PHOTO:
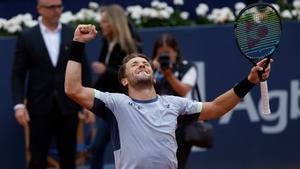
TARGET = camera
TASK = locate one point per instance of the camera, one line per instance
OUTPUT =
(164, 60)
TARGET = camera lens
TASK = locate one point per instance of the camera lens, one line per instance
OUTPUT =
(164, 60)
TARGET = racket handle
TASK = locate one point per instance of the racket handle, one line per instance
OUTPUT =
(264, 67)
(265, 98)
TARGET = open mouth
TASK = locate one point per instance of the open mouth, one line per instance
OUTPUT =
(144, 72)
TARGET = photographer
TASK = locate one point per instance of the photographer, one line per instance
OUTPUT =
(175, 77)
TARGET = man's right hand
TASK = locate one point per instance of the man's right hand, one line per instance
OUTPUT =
(22, 116)
(85, 33)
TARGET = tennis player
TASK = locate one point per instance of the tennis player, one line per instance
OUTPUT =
(142, 123)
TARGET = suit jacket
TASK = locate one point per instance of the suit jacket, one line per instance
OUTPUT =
(35, 78)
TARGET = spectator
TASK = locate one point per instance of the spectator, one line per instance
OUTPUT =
(38, 75)
(174, 76)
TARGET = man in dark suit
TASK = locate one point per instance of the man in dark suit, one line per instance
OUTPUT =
(38, 75)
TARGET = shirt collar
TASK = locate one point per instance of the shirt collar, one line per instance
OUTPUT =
(44, 29)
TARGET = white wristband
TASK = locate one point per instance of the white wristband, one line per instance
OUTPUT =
(19, 106)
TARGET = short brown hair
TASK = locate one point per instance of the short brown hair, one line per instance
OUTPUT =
(122, 69)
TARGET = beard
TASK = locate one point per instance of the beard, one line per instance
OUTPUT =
(142, 81)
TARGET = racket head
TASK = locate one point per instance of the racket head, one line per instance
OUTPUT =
(257, 31)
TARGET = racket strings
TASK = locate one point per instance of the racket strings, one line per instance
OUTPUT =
(258, 31)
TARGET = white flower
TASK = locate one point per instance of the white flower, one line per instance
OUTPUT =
(164, 14)
(238, 7)
(294, 12)
(170, 10)
(153, 13)
(276, 7)
(17, 19)
(221, 15)
(147, 11)
(135, 12)
(80, 16)
(67, 17)
(178, 2)
(30, 23)
(158, 5)
(155, 4)
(150, 13)
(296, 4)
(27, 17)
(93, 5)
(162, 5)
(136, 16)
(13, 26)
(97, 17)
(14, 29)
(286, 14)
(202, 9)
(86, 14)
(184, 15)
(2, 22)
(228, 14)
(134, 8)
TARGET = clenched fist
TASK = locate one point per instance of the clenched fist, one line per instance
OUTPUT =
(85, 33)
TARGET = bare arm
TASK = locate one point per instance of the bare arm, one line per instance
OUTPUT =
(229, 99)
(73, 84)
(219, 106)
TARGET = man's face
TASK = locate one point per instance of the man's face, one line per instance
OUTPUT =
(50, 10)
(139, 71)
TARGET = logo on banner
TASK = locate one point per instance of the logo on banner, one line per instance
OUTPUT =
(286, 107)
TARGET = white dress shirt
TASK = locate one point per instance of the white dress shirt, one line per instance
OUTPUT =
(52, 41)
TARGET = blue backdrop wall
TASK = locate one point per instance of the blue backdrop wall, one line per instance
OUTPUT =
(244, 138)
(10, 8)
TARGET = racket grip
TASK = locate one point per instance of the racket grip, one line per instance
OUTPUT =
(264, 67)
(265, 98)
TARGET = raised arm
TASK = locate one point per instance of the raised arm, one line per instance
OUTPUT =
(73, 84)
(231, 98)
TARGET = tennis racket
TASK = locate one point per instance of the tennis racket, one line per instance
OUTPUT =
(257, 33)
